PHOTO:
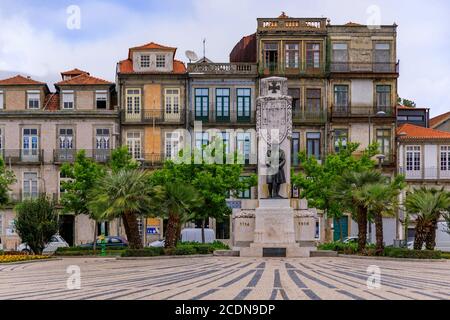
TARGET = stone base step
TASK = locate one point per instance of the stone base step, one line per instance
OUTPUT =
(271, 251)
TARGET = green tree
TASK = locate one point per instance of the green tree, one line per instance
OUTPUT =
(406, 103)
(7, 178)
(318, 181)
(426, 206)
(36, 222)
(212, 181)
(126, 194)
(121, 159)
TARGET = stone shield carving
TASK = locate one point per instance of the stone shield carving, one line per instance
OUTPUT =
(274, 114)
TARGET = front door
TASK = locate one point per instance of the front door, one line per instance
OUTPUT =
(66, 228)
(340, 228)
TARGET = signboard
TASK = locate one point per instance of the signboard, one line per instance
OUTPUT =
(152, 230)
(153, 225)
(234, 204)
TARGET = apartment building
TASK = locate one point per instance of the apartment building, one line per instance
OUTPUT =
(424, 159)
(40, 130)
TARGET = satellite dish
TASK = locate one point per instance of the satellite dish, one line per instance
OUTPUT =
(191, 55)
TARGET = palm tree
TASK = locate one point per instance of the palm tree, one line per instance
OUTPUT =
(124, 194)
(381, 199)
(349, 189)
(176, 201)
(426, 206)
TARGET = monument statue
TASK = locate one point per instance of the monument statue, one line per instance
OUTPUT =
(275, 180)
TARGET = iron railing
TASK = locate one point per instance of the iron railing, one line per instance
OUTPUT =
(227, 117)
(14, 156)
(223, 68)
(364, 67)
(158, 116)
(349, 111)
(308, 116)
(69, 155)
(427, 173)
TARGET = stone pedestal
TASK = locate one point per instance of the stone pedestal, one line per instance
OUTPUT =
(274, 234)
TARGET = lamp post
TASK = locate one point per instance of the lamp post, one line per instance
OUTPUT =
(379, 113)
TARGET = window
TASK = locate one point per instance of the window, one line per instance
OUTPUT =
(340, 57)
(223, 104)
(246, 194)
(34, 98)
(172, 101)
(243, 104)
(384, 98)
(295, 94)
(145, 61)
(133, 98)
(2, 100)
(201, 140)
(295, 148)
(201, 104)
(66, 138)
(102, 139)
(382, 57)
(160, 61)
(172, 145)
(101, 98)
(313, 101)
(1, 141)
(313, 55)
(384, 141)
(292, 55)
(341, 98)
(226, 143)
(30, 188)
(68, 100)
(63, 180)
(271, 56)
(413, 158)
(313, 144)
(30, 144)
(134, 145)
(445, 158)
(340, 138)
(243, 146)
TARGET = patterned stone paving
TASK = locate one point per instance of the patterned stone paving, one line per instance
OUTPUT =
(225, 279)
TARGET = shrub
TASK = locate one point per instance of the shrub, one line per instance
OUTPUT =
(445, 255)
(412, 254)
(147, 252)
(78, 249)
(7, 258)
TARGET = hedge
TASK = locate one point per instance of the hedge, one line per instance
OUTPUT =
(183, 249)
(412, 254)
(99, 248)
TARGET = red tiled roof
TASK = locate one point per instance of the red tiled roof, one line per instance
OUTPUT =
(51, 102)
(19, 80)
(439, 119)
(148, 46)
(74, 72)
(126, 66)
(84, 79)
(412, 132)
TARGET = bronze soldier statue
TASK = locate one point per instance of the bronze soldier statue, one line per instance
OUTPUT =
(275, 180)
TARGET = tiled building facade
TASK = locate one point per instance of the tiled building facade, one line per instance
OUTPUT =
(343, 80)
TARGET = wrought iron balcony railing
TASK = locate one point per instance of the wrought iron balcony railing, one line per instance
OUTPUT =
(223, 68)
(17, 197)
(427, 173)
(69, 155)
(22, 156)
(224, 117)
(158, 116)
(308, 116)
(365, 67)
(364, 111)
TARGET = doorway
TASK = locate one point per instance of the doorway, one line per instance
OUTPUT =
(66, 228)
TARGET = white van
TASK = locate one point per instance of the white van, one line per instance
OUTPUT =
(195, 235)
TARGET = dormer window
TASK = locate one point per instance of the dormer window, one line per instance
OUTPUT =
(68, 100)
(145, 61)
(101, 98)
(33, 98)
(160, 61)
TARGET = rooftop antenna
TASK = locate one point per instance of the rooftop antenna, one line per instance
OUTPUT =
(204, 49)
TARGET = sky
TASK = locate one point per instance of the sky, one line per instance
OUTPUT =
(42, 38)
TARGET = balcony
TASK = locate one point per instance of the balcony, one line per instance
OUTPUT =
(365, 67)
(303, 116)
(61, 156)
(15, 198)
(230, 118)
(273, 68)
(292, 24)
(223, 68)
(22, 156)
(157, 116)
(428, 173)
(362, 111)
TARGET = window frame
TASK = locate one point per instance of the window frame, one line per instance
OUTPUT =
(225, 107)
(36, 94)
(242, 99)
(174, 106)
(2, 100)
(145, 64)
(63, 102)
(161, 61)
(444, 158)
(314, 54)
(296, 55)
(101, 94)
(31, 194)
(200, 112)
(133, 102)
(413, 163)
(134, 148)
(316, 142)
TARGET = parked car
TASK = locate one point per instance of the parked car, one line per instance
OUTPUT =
(411, 245)
(350, 240)
(195, 235)
(110, 242)
(55, 242)
(158, 244)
